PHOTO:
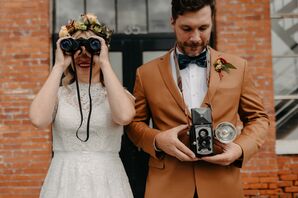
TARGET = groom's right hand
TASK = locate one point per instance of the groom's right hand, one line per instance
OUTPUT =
(168, 142)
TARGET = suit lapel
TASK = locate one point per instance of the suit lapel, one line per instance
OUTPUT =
(214, 79)
(167, 76)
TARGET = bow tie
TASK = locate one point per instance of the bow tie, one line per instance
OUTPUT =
(199, 60)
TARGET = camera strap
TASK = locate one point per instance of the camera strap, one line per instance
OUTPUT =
(79, 99)
(179, 78)
(179, 83)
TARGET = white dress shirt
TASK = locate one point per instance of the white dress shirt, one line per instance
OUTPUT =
(194, 83)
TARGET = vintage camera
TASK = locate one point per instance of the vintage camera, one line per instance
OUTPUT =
(201, 132)
(70, 45)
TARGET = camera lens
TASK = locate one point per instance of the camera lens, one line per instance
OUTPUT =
(203, 133)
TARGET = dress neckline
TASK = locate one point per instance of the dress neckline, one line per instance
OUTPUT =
(83, 84)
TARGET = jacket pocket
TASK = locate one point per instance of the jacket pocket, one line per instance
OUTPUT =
(156, 163)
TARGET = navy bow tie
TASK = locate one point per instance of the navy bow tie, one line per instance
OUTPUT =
(199, 60)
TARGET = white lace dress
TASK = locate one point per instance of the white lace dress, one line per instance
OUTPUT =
(91, 169)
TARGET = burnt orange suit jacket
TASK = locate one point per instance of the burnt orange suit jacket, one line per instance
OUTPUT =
(158, 97)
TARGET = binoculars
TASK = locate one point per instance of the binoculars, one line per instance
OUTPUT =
(70, 45)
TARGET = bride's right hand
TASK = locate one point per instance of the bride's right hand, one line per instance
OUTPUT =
(61, 59)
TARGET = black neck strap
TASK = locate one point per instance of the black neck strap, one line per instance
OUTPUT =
(79, 99)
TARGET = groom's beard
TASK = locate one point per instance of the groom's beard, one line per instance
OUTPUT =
(192, 48)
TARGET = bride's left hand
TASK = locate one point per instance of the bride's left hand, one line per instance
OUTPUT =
(102, 59)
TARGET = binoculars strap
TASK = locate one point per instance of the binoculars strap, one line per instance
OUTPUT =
(79, 99)
(90, 98)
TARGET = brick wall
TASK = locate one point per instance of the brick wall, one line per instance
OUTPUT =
(24, 62)
(243, 28)
(287, 176)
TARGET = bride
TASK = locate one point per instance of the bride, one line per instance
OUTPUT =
(86, 114)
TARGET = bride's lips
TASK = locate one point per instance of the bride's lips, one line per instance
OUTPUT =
(83, 61)
(84, 64)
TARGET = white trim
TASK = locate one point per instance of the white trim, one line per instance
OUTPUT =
(286, 97)
(284, 15)
(286, 147)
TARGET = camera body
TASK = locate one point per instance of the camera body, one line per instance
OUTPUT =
(201, 132)
(70, 45)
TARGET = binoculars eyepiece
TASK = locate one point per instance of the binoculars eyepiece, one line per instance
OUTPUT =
(70, 45)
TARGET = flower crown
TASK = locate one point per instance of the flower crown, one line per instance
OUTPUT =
(85, 23)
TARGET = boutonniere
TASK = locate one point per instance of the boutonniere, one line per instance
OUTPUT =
(222, 65)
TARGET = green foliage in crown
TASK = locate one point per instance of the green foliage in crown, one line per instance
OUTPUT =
(85, 23)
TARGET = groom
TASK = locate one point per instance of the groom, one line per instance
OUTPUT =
(194, 75)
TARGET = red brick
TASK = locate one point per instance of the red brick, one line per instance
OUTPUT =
(285, 195)
(288, 177)
(291, 189)
(259, 186)
(285, 183)
(251, 179)
(268, 179)
(273, 186)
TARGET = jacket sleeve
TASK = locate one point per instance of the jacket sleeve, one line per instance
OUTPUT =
(138, 130)
(255, 120)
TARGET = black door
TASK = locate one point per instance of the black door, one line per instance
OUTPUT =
(135, 50)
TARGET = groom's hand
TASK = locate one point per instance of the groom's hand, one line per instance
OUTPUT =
(229, 153)
(168, 142)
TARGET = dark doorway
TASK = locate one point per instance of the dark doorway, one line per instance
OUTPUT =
(135, 49)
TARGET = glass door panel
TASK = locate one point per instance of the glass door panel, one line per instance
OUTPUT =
(159, 16)
(104, 10)
(66, 10)
(132, 17)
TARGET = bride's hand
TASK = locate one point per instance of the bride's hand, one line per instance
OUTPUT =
(102, 59)
(61, 59)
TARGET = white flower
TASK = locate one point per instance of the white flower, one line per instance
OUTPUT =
(218, 66)
(92, 19)
(63, 31)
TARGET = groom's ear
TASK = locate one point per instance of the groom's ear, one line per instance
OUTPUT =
(173, 21)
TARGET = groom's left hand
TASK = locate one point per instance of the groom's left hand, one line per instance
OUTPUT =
(230, 153)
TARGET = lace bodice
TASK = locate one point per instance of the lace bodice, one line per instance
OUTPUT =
(105, 135)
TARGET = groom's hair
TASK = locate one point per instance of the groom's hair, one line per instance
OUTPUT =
(179, 7)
